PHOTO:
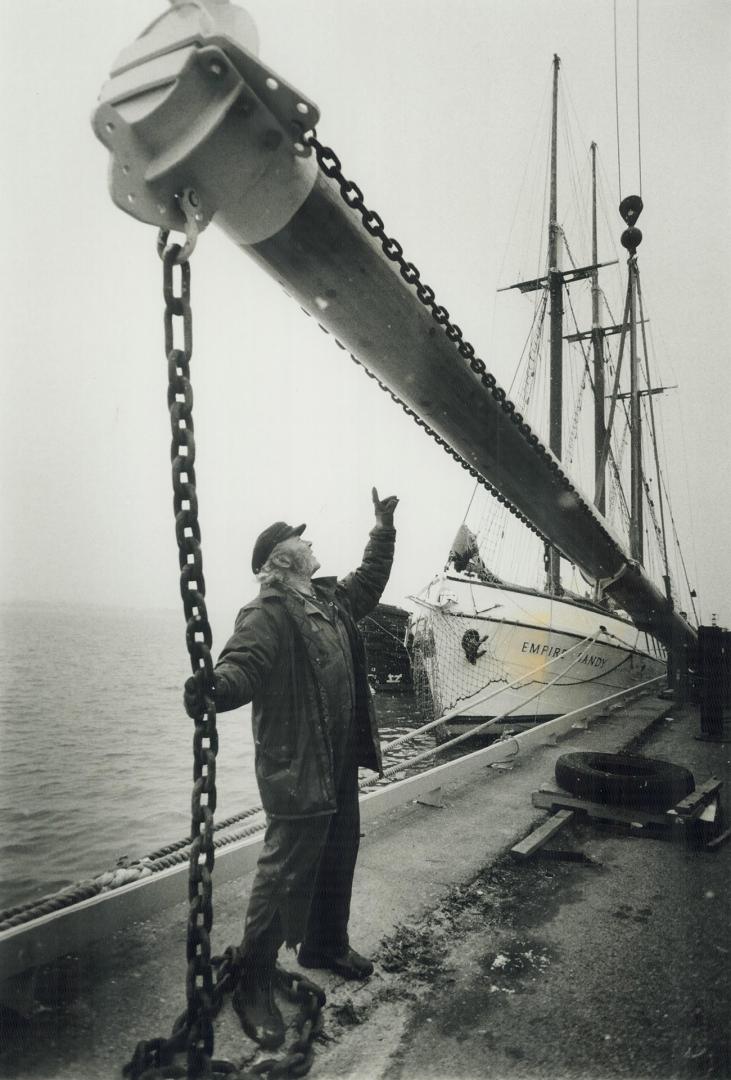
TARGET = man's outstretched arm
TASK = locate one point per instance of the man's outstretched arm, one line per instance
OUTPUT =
(364, 586)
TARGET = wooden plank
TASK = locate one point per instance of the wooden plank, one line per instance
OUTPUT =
(606, 811)
(694, 803)
(538, 837)
(718, 840)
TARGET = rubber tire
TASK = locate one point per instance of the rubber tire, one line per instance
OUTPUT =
(624, 779)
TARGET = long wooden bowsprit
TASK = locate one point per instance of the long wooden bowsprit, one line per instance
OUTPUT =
(190, 110)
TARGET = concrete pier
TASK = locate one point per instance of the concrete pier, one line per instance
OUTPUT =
(606, 954)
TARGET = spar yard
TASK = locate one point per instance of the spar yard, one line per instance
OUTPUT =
(604, 953)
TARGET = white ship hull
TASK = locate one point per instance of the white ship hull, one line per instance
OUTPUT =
(519, 636)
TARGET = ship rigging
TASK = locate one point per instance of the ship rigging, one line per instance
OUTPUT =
(478, 626)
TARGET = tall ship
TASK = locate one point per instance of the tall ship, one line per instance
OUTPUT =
(511, 632)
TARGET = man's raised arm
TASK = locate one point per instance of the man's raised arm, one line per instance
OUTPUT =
(364, 586)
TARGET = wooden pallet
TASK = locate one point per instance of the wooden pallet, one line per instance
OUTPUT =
(700, 806)
(692, 805)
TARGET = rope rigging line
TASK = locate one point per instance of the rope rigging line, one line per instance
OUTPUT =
(475, 489)
(493, 520)
(578, 217)
(587, 374)
(680, 551)
(385, 629)
(615, 455)
(616, 478)
(539, 127)
(611, 454)
(651, 506)
(543, 251)
(537, 326)
(616, 102)
(663, 488)
(637, 96)
(639, 127)
(664, 547)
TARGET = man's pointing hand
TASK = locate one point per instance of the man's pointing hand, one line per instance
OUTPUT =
(384, 508)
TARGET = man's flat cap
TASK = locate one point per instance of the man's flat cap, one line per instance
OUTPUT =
(268, 540)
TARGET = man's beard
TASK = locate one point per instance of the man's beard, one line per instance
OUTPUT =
(301, 564)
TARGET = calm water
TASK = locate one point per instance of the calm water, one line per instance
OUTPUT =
(96, 757)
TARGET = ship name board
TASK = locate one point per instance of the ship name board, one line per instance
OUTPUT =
(534, 648)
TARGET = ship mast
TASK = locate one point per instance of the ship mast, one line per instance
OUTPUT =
(630, 209)
(554, 281)
(636, 526)
(597, 340)
(555, 286)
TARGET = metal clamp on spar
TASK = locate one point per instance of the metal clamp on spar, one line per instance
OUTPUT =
(189, 94)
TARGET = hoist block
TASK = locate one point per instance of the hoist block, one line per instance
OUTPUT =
(189, 94)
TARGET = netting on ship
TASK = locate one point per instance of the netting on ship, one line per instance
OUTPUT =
(452, 662)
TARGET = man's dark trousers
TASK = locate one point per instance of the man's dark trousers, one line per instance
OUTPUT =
(304, 880)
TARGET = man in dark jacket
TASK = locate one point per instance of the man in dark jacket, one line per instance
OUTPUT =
(297, 654)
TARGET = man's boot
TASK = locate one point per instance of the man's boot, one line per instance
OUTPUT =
(346, 963)
(254, 1004)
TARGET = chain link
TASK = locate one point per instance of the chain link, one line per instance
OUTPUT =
(329, 163)
(193, 1031)
(193, 1034)
(199, 978)
(301, 1051)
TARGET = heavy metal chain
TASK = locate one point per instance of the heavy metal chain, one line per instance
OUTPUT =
(193, 1033)
(157, 1059)
(194, 1029)
(199, 981)
(352, 195)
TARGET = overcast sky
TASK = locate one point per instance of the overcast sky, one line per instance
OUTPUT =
(434, 109)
